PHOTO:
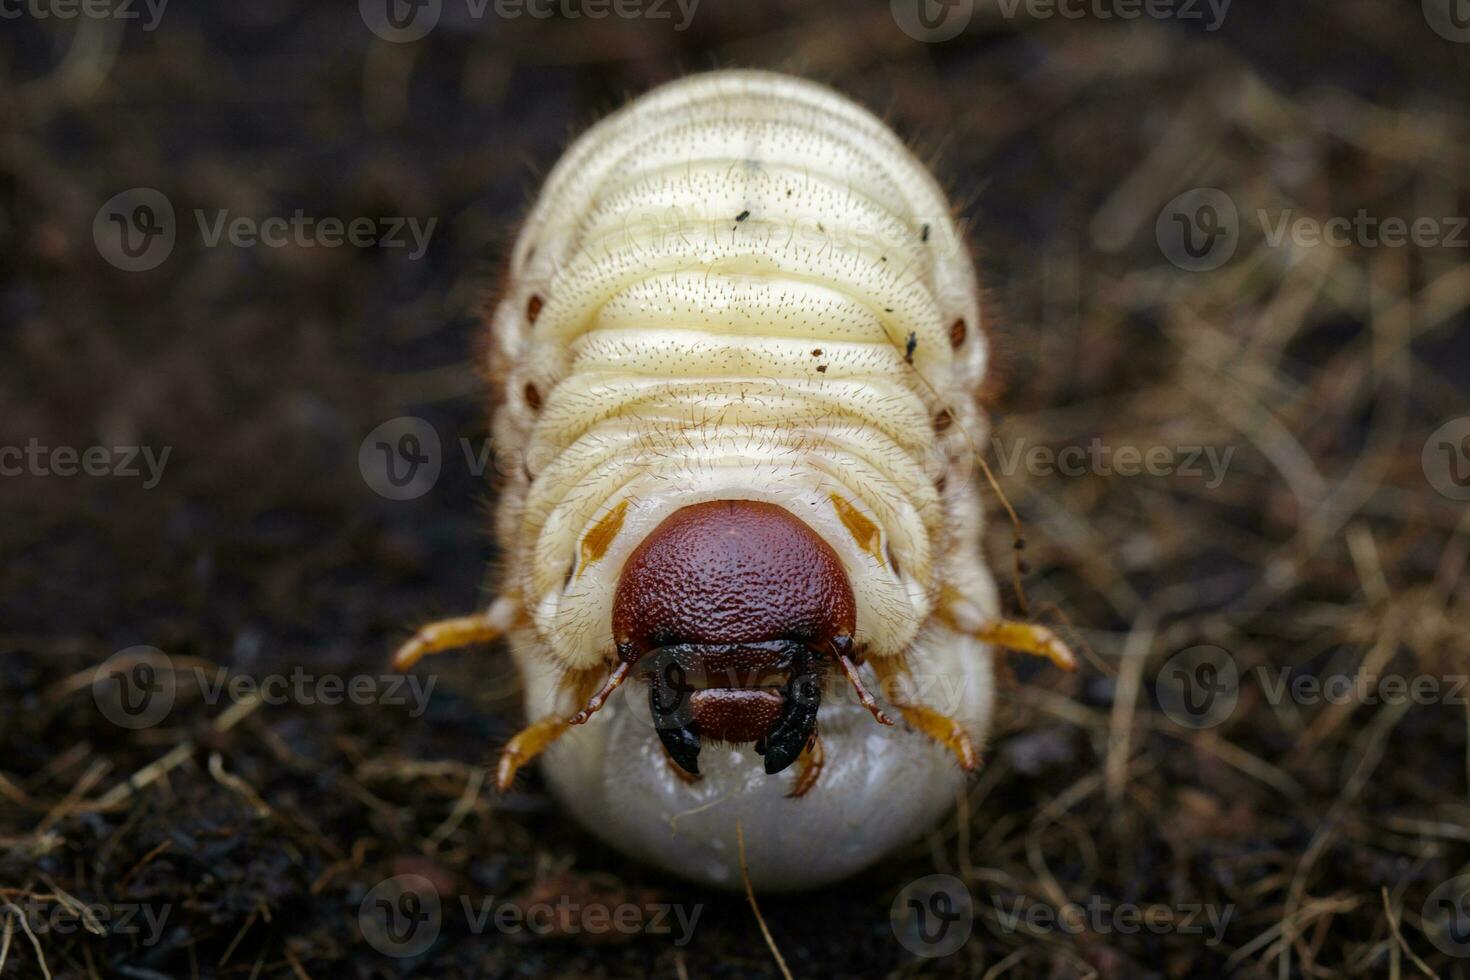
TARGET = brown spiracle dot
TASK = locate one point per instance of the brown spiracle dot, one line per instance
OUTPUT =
(533, 307)
(943, 420)
(533, 397)
(957, 332)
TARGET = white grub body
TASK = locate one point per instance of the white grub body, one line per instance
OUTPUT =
(744, 286)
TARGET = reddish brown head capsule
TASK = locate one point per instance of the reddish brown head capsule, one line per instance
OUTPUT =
(731, 571)
(737, 601)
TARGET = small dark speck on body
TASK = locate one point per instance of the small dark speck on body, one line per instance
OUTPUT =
(743, 215)
(924, 235)
(910, 346)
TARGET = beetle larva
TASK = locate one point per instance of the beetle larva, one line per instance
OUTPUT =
(740, 348)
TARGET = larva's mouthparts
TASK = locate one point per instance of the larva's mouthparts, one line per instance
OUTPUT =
(734, 610)
(767, 693)
(797, 724)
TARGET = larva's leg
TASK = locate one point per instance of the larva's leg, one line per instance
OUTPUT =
(461, 631)
(526, 745)
(940, 727)
(531, 741)
(594, 703)
(1030, 638)
(842, 651)
(811, 767)
(944, 730)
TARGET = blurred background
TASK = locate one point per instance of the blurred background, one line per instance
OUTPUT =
(243, 244)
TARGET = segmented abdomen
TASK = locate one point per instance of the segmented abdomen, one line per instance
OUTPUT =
(742, 283)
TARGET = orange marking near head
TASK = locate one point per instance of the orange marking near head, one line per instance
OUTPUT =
(864, 531)
(596, 541)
